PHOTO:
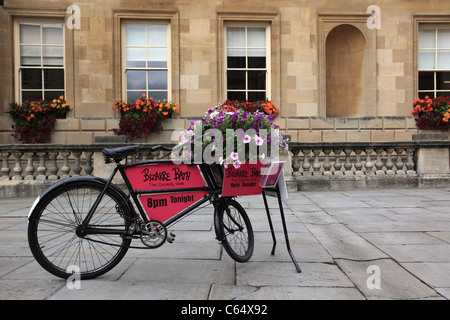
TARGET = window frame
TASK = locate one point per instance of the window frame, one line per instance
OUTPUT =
(17, 56)
(435, 27)
(268, 68)
(123, 63)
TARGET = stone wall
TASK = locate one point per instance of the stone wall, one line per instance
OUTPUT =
(299, 31)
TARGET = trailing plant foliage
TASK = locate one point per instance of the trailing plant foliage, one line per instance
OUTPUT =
(143, 116)
(432, 113)
(34, 121)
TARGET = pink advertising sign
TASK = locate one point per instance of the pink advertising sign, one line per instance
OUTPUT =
(162, 207)
(243, 181)
(164, 176)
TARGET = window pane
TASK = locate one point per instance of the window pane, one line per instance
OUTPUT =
(54, 79)
(157, 57)
(50, 95)
(157, 80)
(31, 95)
(256, 96)
(135, 35)
(256, 80)
(236, 58)
(30, 55)
(53, 56)
(158, 95)
(233, 95)
(52, 34)
(236, 37)
(426, 80)
(236, 80)
(256, 37)
(444, 38)
(135, 57)
(157, 36)
(443, 59)
(136, 80)
(31, 78)
(30, 33)
(443, 94)
(427, 38)
(256, 58)
(134, 95)
(427, 59)
(443, 80)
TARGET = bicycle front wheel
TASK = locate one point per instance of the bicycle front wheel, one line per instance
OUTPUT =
(53, 237)
(235, 230)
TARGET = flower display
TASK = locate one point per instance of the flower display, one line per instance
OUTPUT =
(35, 120)
(432, 113)
(143, 116)
(235, 133)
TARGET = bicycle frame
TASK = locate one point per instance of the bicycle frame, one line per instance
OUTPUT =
(210, 189)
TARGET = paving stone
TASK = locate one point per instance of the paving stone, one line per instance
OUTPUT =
(395, 282)
(227, 292)
(284, 274)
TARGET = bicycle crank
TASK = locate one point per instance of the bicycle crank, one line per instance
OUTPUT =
(153, 234)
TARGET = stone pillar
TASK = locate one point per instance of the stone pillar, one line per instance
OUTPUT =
(432, 162)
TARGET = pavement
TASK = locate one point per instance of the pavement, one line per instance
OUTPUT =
(350, 245)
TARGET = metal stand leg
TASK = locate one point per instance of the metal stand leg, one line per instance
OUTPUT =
(270, 223)
(286, 236)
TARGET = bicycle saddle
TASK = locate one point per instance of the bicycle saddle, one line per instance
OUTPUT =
(118, 154)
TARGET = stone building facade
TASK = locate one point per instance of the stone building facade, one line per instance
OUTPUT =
(340, 71)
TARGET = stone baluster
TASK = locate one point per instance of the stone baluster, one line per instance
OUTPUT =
(399, 164)
(5, 166)
(53, 166)
(327, 164)
(42, 169)
(295, 161)
(316, 165)
(389, 163)
(17, 171)
(306, 165)
(379, 164)
(77, 163)
(89, 167)
(155, 154)
(337, 162)
(65, 169)
(348, 164)
(369, 163)
(358, 164)
(29, 168)
(410, 161)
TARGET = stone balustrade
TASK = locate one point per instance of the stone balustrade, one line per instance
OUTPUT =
(312, 166)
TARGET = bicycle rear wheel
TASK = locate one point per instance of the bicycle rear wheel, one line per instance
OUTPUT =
(235, 230)
(52, 230)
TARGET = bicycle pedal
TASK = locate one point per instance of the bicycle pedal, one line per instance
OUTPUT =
(171, 237)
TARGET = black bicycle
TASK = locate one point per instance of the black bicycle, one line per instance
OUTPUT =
(90, 222)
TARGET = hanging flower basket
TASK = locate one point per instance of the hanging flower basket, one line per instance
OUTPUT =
(143, 116)
(34, 121)
(432, 113)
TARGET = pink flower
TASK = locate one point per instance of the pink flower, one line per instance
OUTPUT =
(259, 141)
(234, 156)
(247, 139)
(237, 164)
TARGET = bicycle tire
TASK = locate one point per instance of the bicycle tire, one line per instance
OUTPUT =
(234, 230)
(52, 227)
